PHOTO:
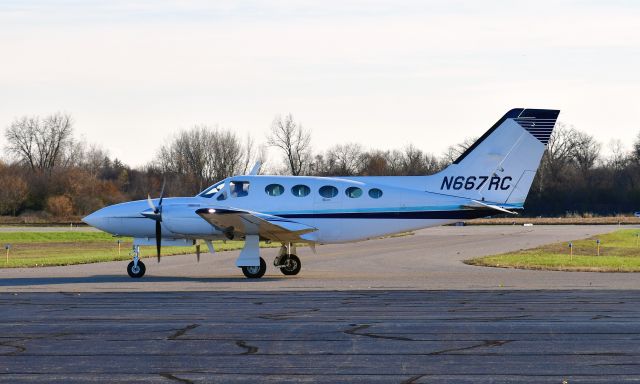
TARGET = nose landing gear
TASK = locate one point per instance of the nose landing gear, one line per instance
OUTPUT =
(136, 268)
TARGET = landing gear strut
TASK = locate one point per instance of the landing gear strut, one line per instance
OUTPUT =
(287, 261)
(136, 268)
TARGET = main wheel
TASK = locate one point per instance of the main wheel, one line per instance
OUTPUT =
(255, 272)
(291, 265)
(138, 271)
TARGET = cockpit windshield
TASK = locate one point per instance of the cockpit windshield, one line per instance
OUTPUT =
(212, 190)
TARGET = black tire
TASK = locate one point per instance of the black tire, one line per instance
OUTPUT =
(291, 265)
(255, 272)
(136, 274)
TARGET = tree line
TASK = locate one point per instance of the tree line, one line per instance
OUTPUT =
(46, 171)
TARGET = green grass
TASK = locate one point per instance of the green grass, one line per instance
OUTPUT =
(55, 237)
(37, 249)
(619, 252)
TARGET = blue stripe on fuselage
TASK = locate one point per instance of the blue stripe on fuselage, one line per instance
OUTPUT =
(453, 214)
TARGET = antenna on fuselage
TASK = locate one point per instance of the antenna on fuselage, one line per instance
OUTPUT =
(256, 168)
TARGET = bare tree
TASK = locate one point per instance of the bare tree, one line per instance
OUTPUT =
(344, 160)
(294, 141)
(635, 153)
(559, 153)
(586, 150)
(375, 163)
(202, 155)
(417, 162)
(226, 155)
(619, 157)
(252, 153)
(93, 159)
(41, 143)
(453, 152)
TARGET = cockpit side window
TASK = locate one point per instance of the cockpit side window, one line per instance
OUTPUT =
(212, 190)
(239, 188)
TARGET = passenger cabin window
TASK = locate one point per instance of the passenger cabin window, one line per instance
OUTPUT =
(274, 189)
(375, 193)
(239, 188)
(328, 191)
(300, 190)
(353, 192)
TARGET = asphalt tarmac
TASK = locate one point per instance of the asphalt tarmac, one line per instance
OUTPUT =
(397, 310)
(429, 259)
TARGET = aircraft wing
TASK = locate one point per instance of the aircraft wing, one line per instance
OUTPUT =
(475, 204)
(235, 221)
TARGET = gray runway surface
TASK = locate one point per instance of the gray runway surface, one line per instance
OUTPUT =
(497, 336)
(398, 310)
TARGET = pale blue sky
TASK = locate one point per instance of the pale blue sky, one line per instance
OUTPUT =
(381, 73)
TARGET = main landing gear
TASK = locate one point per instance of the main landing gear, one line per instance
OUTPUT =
(287, 261)
(255, 272)
(136, 268)
(254, 267)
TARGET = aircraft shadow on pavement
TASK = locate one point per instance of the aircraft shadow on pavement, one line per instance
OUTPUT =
(97, 279)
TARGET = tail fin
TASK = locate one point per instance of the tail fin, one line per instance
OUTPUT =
(500, 166)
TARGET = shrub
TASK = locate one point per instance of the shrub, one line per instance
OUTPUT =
(59, 206)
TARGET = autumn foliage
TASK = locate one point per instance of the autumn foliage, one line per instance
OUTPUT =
(46, 172)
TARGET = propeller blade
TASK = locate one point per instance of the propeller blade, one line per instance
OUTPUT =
(158, 238)
(162, 193)
(150, 202)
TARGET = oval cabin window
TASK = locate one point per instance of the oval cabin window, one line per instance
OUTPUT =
(274, 189)
(300, 190)
(375, 193)
(353, 192)
(328, 191)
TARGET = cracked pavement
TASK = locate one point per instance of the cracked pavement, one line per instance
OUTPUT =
(396, 336)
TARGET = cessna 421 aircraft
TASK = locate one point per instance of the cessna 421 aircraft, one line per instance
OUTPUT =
(492, 176)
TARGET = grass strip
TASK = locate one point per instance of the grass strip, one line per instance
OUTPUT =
(39, 249)
(619, 252)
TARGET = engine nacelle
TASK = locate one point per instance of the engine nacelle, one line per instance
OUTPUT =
(182, 219)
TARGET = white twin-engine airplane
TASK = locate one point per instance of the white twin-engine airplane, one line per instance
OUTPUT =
(493, 176)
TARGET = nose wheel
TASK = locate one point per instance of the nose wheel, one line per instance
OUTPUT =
(136, 271)
(136, 268)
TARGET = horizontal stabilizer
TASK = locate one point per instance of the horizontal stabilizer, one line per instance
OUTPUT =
(475, 204)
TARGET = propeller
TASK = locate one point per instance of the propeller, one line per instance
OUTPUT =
(156, 215)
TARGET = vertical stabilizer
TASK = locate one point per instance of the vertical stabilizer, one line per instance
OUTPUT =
(500, 166)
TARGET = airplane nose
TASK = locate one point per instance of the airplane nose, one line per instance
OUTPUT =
(97, 219)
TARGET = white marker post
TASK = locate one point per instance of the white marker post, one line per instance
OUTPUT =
(119, 242)
(598, 247)
(7, 247)
(570, 251)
